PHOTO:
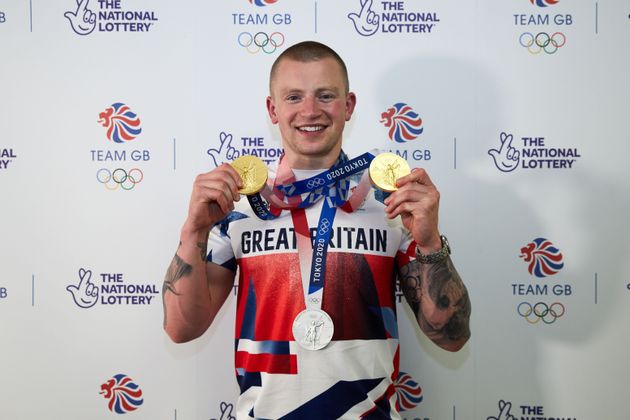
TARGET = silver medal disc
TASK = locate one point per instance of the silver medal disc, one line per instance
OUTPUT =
(313, 329)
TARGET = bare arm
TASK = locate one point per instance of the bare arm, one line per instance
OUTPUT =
(435, 292)
(440, 301)
(194, 290)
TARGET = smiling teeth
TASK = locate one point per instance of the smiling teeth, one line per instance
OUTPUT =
(311, 128)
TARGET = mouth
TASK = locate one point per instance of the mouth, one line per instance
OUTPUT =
(311, 128)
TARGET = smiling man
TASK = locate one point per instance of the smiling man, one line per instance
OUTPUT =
(316, 327)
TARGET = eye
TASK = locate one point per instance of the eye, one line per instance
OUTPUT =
(327, 97)
(292, 98)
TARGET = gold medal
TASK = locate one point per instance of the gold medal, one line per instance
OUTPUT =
(385, 170)
(253, 173)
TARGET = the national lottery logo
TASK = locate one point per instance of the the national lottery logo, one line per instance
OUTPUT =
(7, 156)
(228, 148)
(107, 16)
(391, 18)
(507, 411)
(121, 122)
(531, 153)
(122, 393)
(408, 392)
(109, 289)
(403, 122)
(227, 412)
(543, 258)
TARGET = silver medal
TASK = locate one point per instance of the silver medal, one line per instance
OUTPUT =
(313, 329)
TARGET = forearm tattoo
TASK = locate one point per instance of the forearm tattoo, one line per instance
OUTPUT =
(177, 270)
(439, 299)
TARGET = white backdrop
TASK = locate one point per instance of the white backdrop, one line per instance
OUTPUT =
(190, 84)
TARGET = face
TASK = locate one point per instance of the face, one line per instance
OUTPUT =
(310, 105)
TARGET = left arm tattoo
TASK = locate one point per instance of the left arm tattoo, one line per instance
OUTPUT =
(440, 301)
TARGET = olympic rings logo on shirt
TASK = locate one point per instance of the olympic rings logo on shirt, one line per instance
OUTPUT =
(260, 41)
(541, 310)
(314, 183)
(119, 178)
(542, 42)
(324, 226)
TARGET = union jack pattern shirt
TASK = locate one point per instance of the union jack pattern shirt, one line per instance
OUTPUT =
(353, 376)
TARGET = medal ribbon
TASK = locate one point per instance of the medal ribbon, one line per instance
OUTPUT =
(313, 269)
(332, 183)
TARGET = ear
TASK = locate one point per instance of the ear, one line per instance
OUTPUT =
(351, 102)
(271, 110)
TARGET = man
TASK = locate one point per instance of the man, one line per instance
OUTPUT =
(316, 334)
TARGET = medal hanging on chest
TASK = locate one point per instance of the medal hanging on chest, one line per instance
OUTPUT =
(313, 328)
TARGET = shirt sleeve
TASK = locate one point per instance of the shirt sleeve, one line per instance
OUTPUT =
(220, 249)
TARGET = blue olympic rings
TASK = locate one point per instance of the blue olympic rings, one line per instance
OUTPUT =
(120, 178)
(324, 227)
(542, 41)
(548, 313)
(260, 41)
(313, 183)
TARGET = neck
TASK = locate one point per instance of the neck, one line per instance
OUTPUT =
(312, 161)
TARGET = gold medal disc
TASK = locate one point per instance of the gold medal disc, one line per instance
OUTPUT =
(252, 171)
(385, 170)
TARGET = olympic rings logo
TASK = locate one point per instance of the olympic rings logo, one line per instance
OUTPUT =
(261, 41)
(324, 226)
(542, 42)
(314, 183)
(314, 300)
(119, 178)
(548, 314)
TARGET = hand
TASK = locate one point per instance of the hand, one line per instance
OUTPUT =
(504, 414)
(213, 196)
(507, 157)
(225, 153)
(417, 202)
(83, 21)
(366, 22)
(85, 294)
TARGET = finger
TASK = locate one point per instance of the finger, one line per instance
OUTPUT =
(82, 5)
(417, 175)
(224, 138)
(84, 276)
(220, 196)
(506, 141)
(365, 7)
(224, 175)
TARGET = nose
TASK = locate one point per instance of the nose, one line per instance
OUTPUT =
(310, 107)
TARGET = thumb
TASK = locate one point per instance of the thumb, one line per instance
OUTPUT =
(72, 289)
(71, 16)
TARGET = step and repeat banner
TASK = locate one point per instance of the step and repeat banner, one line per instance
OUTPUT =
(518, 109)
